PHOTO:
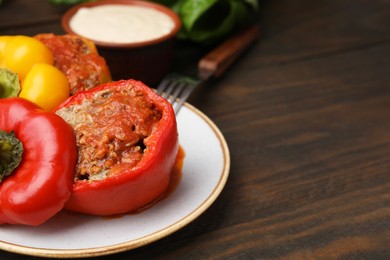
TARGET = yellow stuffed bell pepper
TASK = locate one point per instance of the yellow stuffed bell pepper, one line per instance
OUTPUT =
(3, 42)
(46, 86)
(28, 61)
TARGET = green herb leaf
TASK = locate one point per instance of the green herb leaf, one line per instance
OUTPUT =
(213, 19)
(208, 21)
(253, 3)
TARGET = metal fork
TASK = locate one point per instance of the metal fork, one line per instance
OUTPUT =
(177, 88)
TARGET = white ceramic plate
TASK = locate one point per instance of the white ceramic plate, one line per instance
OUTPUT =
(204, 174)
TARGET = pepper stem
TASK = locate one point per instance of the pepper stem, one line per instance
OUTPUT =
(9, 83)
(11, 150)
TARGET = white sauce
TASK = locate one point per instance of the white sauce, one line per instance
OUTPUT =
(121, 23)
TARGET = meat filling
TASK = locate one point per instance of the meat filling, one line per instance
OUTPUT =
(110, 131)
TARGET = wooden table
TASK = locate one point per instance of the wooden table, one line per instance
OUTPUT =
(306, 115)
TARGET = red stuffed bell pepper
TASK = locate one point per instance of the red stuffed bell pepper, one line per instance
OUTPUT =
(127, 144)
(37, 158)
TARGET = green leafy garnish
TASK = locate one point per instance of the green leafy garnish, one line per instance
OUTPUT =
(207, 21)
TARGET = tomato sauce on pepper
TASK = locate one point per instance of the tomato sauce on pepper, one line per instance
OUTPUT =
(78, 59)
(109, 140)
(174, 180)
(176, 173)
(127, 143)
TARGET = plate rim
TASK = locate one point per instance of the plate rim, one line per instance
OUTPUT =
(147, 239)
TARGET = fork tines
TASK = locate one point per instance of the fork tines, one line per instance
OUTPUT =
(176, 89)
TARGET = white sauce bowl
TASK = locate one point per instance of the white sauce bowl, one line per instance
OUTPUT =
(135, 37)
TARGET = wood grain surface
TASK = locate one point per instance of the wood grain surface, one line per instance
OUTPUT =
(306, 115)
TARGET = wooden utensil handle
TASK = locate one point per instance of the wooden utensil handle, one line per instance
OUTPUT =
(219, 59)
